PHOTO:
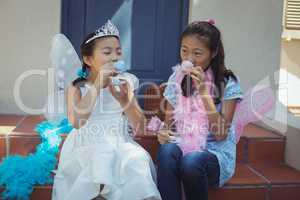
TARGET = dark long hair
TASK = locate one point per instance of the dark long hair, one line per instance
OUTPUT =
(210, 34)
(86, 50)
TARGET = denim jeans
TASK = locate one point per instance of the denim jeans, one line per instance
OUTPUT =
(195, 171)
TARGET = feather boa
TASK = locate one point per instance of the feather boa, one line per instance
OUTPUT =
(189, 115)
(19, 174)
(191, 123)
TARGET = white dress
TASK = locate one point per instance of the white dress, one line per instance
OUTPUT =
(102, 152)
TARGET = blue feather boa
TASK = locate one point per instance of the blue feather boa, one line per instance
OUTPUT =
(19, 174)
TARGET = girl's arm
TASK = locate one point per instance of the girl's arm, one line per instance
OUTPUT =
(219, 123)
(80, 107)
(163, 136)
(130, 107)
(135, 116)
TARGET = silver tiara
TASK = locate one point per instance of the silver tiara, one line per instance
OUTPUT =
(108, 29)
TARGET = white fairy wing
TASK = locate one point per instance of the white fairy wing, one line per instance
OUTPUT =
(64, 59)
(65, 63)
(256, 102)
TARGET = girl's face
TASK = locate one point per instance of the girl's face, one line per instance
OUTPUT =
(106, 50)
(196, 51)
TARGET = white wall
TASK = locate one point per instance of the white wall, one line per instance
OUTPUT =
(251, 34)
(290, 62)
(290, 96)
(27, 28)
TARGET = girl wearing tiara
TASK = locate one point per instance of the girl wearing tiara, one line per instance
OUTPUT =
(99, 158)
(215, 92)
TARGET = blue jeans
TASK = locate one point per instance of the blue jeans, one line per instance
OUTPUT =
(196, 171)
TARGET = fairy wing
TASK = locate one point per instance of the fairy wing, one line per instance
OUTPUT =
(64, 58)
(256, 102)
(65, 63)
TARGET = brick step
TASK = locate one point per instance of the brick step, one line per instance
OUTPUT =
(256, 145)
(39, 192)
(259, 182)
(260, 173)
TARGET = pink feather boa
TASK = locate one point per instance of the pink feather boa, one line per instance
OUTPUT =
(189, 115)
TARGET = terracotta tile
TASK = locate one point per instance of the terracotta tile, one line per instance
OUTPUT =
(8, 123)
(241, 151)
(26, 127)
(23, 145)
(149, 143)
(237, 194)
(2, 147)
(10, 120)
(254, 132)
(278, 173)
(244, 176)
(290, 193)
(260, 151)
(5, 130)
(41, 193)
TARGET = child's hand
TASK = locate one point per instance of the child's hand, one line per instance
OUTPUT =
(104, 75)
(197, 75)
(122, 95)
(165, 136)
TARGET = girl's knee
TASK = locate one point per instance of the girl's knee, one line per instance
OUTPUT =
(193, 165)
(169, 150)
(168, 154)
